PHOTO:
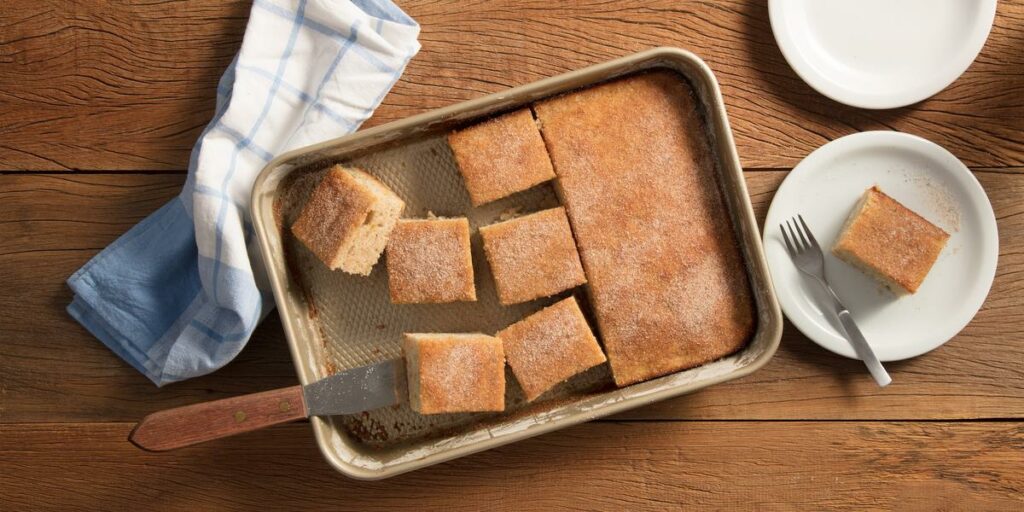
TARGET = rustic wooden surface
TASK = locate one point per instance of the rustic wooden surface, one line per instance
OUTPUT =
(598, 466)
(118, 91)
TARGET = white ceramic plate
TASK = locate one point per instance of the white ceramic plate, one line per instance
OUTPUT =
(927, 179)
(880, 53)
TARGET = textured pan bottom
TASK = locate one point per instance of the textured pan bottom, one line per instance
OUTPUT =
(358, 324)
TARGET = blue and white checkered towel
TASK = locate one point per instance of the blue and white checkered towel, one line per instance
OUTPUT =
(178, 295)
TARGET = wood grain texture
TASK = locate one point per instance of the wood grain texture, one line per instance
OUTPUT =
(52, 370)
(179, 427)
(129, 85)
(598, 466)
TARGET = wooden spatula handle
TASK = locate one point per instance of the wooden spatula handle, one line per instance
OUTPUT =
(192, 424)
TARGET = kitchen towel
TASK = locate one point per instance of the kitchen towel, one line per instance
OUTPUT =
(179, 294)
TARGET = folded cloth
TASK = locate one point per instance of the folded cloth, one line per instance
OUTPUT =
(179, 294)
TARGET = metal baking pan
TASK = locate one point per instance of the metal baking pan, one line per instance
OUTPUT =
(334, 321)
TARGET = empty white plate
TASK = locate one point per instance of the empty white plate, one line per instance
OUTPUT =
(927, 179)
(880, 53)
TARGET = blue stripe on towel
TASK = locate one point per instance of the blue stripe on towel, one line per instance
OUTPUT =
(271, 95)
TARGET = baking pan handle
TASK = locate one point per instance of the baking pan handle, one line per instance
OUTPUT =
(193, 424)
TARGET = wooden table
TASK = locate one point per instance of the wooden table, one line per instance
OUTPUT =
(101, 102)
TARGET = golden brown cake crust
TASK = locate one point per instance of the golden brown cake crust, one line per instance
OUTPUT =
(550, 346)
(429, 261)
(337, 206)
(890, 242)
(457, 372)
(501, 156)
(532, 256)
(664, 270)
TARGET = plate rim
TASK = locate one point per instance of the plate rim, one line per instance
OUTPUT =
(825, 86)
(832, 341)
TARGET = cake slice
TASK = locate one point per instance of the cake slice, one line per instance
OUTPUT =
(550, 346)
(532, 256)
(501, 156)
(347, 220)
(889, 242)
(430, 261)
(454, 373)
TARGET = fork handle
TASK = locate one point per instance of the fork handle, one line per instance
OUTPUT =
(860, 345)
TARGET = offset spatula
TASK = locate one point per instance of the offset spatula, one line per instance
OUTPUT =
(348, 392)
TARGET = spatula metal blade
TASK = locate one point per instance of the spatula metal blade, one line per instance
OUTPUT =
(357, 390)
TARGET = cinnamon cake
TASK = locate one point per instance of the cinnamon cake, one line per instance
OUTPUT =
(500, 156)
(347, 220)
(532, 256)
(430, 261)
(665, 273)
(454, 373)
(889, 242)
(550, 346)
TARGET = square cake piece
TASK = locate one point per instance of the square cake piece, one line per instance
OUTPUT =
(550, 346)
(889, 242)
(454, 373)
(429, 261)
(532, 256)
(501, 156)
(636, 175)
(347, 220)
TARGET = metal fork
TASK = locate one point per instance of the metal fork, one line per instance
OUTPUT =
(808, 258)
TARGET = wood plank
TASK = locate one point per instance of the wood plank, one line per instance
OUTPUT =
(598, 466)
(89, 84)
(129, 85)
(53, 370)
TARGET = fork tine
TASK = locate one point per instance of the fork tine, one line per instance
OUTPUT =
(810, 236)
(796, 240)
(803, 236)
(789, 245)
